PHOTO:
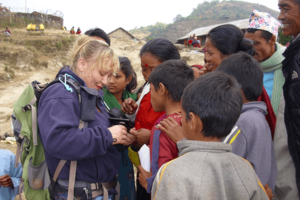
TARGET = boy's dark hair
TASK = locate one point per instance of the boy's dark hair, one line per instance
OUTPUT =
(217, 99)
(265, 34)
(175, 75)
(161, 48)
(126, 68)
(99, 33)
(246, 70)
(229, 39)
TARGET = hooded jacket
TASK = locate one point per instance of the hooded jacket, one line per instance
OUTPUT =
(58, 119)
(251, 139)
(208, 171)
(291, 92)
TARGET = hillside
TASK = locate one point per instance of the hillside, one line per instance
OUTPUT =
(206, 13)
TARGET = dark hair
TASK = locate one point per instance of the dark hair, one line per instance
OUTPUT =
(217, 99)
(161, 48)
(175, 75)
(265, 34)
(126, 68)
(99, 33)
(246, 70)
(229, 39)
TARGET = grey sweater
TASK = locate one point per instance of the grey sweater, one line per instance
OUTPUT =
(208, 171)
(253, 142)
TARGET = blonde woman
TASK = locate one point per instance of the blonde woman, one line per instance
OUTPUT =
(60, 113)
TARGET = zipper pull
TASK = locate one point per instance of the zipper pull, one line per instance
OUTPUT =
(86, 192)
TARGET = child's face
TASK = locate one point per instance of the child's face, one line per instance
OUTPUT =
(148, 63)
(157, 99)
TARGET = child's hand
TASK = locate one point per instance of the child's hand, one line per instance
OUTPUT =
(268, 191)
(142, 135)
(6, 181)
(143, 175)
(129, 106)
(172, 129)
(130, 138)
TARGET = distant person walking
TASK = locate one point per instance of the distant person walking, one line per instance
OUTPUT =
(7, 32)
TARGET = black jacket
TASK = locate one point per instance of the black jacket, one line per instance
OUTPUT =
(291, 92)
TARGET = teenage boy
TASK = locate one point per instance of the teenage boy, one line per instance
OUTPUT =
(206, 168)
(167, 83)
(251, 137)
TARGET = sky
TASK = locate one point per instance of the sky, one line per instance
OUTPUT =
(111, 14)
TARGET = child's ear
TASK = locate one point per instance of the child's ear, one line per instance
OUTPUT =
(195, 122)
(162, 89)
(128, 80)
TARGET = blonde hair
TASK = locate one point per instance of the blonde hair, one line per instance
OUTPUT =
(94, 51)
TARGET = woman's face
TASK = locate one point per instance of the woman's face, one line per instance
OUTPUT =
(213, 56)
(118, 82)
(94, 78)
(148, 63)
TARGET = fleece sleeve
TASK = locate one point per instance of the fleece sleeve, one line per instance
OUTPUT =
(58, 121)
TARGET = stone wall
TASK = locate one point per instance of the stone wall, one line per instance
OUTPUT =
(22, 19)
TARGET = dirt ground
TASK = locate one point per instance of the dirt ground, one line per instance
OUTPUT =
(27, 57)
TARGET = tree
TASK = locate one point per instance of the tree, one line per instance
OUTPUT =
(282, 39)
(178, 18)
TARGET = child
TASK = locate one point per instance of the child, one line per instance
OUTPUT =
(9, 175)
(118, 89)
(251, 138)
(206, 168)
(167, 82)
(153, 53)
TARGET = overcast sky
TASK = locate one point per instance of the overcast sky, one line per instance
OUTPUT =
(111, 14)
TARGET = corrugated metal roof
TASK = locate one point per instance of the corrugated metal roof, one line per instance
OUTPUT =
(242, 24)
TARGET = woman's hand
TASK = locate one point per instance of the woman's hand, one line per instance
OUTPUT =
(119, 134)
(143, 175)
(129, 106)
(142, 135)
(172, 129)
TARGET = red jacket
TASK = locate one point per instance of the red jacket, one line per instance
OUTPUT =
(270, 117)
(162, 148)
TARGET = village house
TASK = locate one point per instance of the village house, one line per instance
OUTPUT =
(202, 32)
(122, 33)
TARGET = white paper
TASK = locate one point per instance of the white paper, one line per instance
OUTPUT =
(144, 154)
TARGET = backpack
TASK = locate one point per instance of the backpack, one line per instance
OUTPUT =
(35, 179)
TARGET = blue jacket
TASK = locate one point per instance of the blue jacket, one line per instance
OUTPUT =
(7, 167)
(58, 120)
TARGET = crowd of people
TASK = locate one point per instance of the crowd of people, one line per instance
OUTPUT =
(193, 41)
(225, 130)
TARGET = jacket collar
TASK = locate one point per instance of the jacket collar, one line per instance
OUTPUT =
(294, 47)
(66, 69)
(186, 146)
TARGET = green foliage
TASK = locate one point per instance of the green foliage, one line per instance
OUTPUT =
(59, 45)
(282, 39)
(150, 29)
